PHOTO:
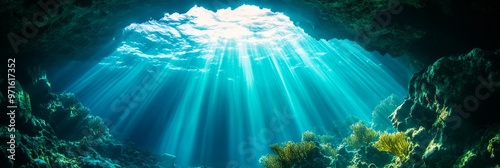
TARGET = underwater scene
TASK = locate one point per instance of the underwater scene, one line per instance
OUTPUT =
(250, 83)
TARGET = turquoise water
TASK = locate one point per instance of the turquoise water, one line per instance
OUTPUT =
(217, 88)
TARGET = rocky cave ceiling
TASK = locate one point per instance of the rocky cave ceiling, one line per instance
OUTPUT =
(424, 30)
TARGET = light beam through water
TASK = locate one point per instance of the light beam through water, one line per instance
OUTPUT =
(219, 87)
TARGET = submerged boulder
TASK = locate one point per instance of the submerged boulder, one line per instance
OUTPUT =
(60, 132)
(449, 110)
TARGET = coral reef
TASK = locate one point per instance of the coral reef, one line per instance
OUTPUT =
(448, 111)
(303, 154)
(445, 121)
(361, 136)
(308, 136)
(395, 143)
(56, 130)
(328, 150)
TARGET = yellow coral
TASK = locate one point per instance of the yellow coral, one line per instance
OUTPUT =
(288, 154)
(395, 143)
(361, 135)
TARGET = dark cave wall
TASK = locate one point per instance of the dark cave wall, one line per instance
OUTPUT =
(60, 31)
(449, 111)
(89, 30)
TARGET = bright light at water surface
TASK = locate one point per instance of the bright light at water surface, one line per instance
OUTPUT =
(219, 87)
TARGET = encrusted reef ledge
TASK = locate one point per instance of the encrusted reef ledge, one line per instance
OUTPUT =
(56, 130)
(450, 112)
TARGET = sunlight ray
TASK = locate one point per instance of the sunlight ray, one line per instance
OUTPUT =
(231, 82)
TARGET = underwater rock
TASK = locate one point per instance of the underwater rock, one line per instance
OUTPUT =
(420, 29)
(88, 162)
(53, 31)
(432, 131)
(423, 116)
(369, 23)
(63, 133)
(370, 156)
(411, 114)
(65, 114)
(420, 137)
(398, 117)
(448, 111)
(344, 157)
(26, 123)
(40, 87)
